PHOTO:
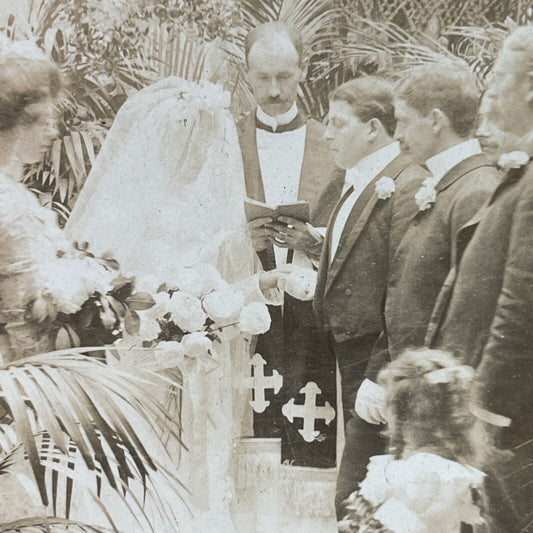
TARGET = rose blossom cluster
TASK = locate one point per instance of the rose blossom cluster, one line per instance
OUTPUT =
(67, 283)
(193, 311)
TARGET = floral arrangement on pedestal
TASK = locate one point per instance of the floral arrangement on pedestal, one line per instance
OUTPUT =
(191, 314)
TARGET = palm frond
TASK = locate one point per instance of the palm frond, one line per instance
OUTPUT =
(171, 52)
(49, 524)
(80, 399)
(42, 15)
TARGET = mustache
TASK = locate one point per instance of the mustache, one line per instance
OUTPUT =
(275, 100)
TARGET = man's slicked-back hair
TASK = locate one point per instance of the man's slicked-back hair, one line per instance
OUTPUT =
(446, 86)
(267, 29)
(369, 97)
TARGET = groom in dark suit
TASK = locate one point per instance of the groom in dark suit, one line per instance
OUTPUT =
(436, 111)
(363, 232)
(484, 314)
(286, 159)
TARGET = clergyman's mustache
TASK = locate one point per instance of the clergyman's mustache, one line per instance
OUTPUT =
(275, 100)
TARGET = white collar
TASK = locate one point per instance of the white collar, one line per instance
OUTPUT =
(443, 162)
(279, 120)
(371, 165)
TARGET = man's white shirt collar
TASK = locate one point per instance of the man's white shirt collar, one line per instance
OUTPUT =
(371, 165)
(443, 162)
(279, 120)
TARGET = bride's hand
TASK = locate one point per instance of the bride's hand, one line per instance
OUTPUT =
(298, 282)
(272, 279)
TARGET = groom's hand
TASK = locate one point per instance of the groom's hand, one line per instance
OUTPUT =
(289, 232)
(260, 232)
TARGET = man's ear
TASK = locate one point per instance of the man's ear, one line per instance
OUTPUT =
(438, 120)
(303, 70)
(375, 128)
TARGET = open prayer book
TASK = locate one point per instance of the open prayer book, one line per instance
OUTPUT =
(298, 210)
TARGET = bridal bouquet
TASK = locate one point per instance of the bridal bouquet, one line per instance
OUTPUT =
(86, 300)
(194, 312)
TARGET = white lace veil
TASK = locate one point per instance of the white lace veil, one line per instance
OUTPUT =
(167, 188)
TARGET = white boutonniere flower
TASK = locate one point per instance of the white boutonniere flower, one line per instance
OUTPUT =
(426, 195)
(514, 159)
(385, 187)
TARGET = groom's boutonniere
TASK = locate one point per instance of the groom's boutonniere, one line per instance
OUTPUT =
(514, 159)
(385, 187)
(426, 195)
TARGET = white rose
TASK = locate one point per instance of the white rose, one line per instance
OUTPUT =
(186, 311)
(196, 344)
(150, 328)
(514, 159)
(169, 354)
(223, 305)
(385, 187)
(69, 283)
(426, 195)
(254, 319)
(161, 307)
(190, 280)
(211, 278)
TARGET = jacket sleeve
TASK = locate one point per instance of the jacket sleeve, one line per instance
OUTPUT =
(505, 374)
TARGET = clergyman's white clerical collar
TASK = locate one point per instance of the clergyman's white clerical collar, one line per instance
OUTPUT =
(279, 120)
(442, 163)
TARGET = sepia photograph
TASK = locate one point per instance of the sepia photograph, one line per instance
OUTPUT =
(266, 266)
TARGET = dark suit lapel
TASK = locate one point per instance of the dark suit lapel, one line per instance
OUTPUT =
(358, 218)
(323, 271)
(462, 168)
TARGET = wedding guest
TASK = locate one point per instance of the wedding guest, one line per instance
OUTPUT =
(484, 312)
(437, 109)
(286, 160)
(427, 482)
(490, 136)
(362, 235)
(28, 90)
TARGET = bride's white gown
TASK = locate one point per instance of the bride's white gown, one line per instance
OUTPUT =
(166, 192)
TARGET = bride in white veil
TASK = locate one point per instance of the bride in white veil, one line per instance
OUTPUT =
(167, 192)
(167, 187)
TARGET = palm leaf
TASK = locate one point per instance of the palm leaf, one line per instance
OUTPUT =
(49, 524)
(78, 397)
(42, 15)
(172, 52)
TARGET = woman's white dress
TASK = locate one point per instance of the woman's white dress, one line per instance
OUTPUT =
(167, 192)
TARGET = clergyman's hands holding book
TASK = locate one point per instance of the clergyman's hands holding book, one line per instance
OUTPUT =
(288, 232)
(260, 232)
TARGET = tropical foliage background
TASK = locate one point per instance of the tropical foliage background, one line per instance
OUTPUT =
(108, 49)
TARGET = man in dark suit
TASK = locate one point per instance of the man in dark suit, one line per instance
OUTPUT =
(485, 312)
(436, 110)
(286, 160)
(362, 234)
